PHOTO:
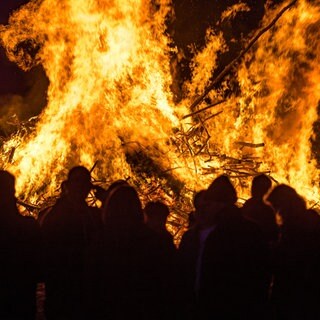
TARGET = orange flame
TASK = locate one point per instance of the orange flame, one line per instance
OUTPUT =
(108, 64)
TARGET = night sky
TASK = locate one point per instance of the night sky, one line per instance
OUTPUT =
(12, 79)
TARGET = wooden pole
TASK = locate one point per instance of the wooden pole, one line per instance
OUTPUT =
(228, 68)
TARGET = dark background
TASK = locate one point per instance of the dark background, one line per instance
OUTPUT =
(12, 80)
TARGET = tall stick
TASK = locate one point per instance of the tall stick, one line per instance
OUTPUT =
(227, 69)
(203, 109)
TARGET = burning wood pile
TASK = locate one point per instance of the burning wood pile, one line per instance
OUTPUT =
(111, 107)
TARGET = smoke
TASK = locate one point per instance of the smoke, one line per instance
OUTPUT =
(17, 108)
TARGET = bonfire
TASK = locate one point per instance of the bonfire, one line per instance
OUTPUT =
(110, 105)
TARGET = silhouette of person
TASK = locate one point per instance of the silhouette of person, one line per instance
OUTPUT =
(192, 247)
(131, 278)
(230, 267)
(198, 202)
(313, 273)
(295, 256)
(71, 232)
(189, 254)
(43, 213)
(156, 214)
(102, 194)
(20, 252)
(256, 210)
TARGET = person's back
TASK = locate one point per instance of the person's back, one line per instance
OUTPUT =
(70, 231)
(187, 256)
(256, 210)
(156, 217)
(233, 276)
(313, 274)
(130, 268)
(294, 256)
(20, 250)
(42, 214)
(198, 202)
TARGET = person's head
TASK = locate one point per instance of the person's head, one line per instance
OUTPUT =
(221, 190)
(199, 205)
(156, 213)
(63, 188)
(116, 184)
(199, 199)
(122, 207)
(220, 195)
(7, 186)
(287, 202)
(78, 183)
(261, 184)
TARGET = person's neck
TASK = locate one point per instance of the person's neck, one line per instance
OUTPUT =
(76, 199)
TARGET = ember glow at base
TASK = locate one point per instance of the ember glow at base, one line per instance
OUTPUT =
(111, 103)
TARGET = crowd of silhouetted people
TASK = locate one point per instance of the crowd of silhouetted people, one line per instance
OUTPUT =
(259, 260)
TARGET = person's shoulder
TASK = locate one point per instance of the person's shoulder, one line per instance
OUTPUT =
(95, 211)
(190, 232)
(248, 227)
(146, 232)
(254, 204)
(54, 214)
(249, 224)
(143, 240)
(28, 220)
(189, 236)
(29, 225)
(249, 202)
(168, 235)
(312, 220)
(257, 207)
(43, 215)
(59, 205)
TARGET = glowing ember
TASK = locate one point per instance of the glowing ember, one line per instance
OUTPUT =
(109, 99)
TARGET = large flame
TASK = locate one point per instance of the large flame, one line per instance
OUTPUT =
(108, 63)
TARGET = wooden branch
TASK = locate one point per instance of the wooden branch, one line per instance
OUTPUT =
(11, 154)
(251, 145)
(212, 116)
(314, 205)
(228, 68)
(203, 109)
(153, 190)
(28, 206)
(93, 167)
